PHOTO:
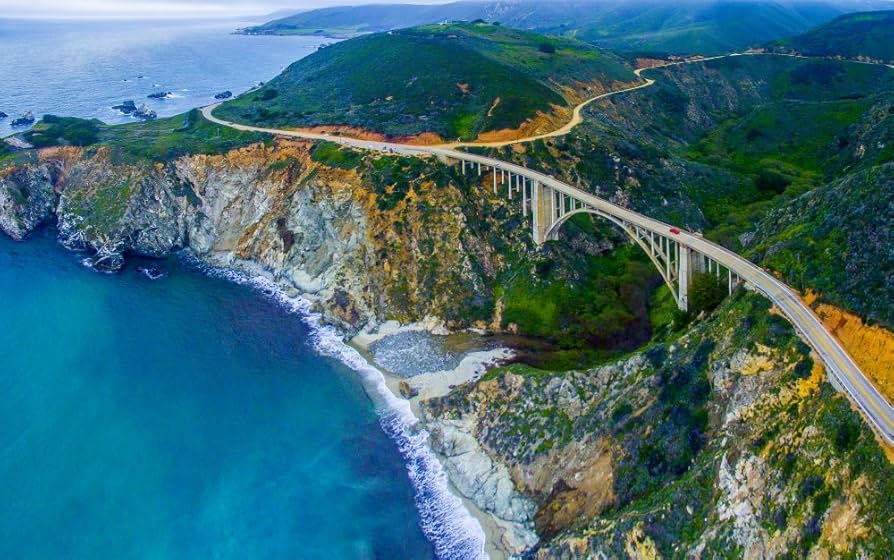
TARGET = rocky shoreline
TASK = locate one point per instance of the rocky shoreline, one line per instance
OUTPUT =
(485, 486)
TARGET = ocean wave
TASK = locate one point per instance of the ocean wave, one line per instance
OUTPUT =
(445, 521)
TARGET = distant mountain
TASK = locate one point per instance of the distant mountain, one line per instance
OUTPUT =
(456, 81)
(706, 28)
(350, 21)
(699, 26)
(864, 35)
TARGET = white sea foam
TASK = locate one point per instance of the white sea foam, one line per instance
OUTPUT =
(453, 531)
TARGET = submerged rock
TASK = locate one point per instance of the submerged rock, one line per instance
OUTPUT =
(108, 262)
(159, 95)
(153, 272)
(3, 115)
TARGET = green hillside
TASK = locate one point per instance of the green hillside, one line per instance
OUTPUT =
(866, 35)
(699, 28)
(454, 80)
(838, 240)
(785, 160)
(158, 140)
(350, 21)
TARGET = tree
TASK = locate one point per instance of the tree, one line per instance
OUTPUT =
(706, 291)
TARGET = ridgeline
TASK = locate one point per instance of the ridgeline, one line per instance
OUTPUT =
(455, 81)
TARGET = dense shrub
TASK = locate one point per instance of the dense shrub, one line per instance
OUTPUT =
(53, 130)
(706, 291)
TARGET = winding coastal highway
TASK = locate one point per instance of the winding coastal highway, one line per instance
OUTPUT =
(843, 371)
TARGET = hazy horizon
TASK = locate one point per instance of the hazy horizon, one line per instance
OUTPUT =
(169, 9)
(176, 9)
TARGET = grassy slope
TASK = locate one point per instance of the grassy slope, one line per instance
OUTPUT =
(865, 34)
(159, 140)
(409, 81)
(349, 21)
(839, 240)
(801, 134)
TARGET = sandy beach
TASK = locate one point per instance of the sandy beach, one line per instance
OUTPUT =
(435, 384)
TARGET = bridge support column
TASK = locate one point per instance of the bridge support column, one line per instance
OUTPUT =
(684, 262)
(525, 201)
(540, 212)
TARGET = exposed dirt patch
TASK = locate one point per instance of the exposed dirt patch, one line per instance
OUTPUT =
(582, 487)
(424, 139)
(872, 347)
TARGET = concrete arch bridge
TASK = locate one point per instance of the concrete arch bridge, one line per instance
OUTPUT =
(548, 204)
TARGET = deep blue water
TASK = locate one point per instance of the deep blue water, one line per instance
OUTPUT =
(83, 68)
(187, 417)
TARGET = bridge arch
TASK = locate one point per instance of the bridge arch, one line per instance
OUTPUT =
(659, 257)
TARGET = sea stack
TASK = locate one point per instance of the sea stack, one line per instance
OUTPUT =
(145, 112)
(127, 107)
(26, 119)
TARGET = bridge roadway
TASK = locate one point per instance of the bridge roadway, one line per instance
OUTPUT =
(844, 372)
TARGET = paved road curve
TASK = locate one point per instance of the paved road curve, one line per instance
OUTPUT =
(844, 372)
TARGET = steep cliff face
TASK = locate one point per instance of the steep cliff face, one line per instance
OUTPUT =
(722, 439)
(382, 238)
(27, 191)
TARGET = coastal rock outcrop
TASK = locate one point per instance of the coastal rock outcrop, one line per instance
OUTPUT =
(487, 483)
(27, 192)
(126, 107)
(26, 119)
(26, 200)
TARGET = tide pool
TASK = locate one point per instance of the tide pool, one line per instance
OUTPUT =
(185, 417)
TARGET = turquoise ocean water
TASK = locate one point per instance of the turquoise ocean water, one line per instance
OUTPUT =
(187, 417)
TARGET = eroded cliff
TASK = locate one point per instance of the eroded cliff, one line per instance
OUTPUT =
(721, 440)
